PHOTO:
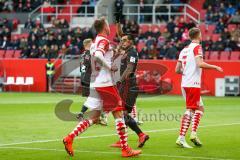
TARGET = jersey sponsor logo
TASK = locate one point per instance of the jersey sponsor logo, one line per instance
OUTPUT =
(133, 59)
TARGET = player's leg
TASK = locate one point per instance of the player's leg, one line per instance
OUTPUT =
(134, 115)
(195, 124)
(83, 110)
(85, 93)
(130, 102)
(112, 102)
(80, 128)
(95, 105)
(186, 120)
(123, 136)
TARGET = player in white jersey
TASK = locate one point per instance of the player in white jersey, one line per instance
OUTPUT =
(190, 65)
(103, 94)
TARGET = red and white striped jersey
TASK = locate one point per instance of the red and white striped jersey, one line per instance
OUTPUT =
(191, 72)
(101, 76)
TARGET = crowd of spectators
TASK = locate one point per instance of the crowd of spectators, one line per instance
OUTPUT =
(24, 5)
(46, 42)
(221, 13)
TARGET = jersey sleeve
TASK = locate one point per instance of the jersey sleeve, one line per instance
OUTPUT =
(198, 51)
(133, 57)
(103, 46)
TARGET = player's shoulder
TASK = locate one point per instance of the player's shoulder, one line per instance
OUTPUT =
(133, 55)
(133, 52)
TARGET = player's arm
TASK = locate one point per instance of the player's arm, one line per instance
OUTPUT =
(119, 30)
(102, 47)
(199, 60)
(202, 64)
(127, 72)
(178, 68)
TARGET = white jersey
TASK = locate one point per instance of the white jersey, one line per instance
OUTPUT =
(101, 76)
(191, 72)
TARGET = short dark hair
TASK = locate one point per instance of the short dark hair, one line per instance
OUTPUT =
(194, 33)
(99, 24)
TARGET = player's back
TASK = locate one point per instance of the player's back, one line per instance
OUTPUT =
(191, 72)
(101, 76)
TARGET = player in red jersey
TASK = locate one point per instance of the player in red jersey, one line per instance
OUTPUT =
(190, 65)
(103, 94)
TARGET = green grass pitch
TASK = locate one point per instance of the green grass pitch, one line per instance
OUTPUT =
(31, 131)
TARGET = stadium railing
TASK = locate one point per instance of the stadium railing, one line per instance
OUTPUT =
(185, 10)
(69, 12)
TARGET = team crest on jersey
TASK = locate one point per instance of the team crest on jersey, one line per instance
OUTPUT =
(132, 59)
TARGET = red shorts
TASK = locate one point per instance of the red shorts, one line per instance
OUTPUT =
(111, 98)
(192, 97)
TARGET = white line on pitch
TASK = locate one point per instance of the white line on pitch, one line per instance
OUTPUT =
(103, 152)
(109, 135)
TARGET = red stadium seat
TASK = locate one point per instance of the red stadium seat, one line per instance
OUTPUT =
(9, 54)
(17, 54)
(202, 14)
(224, 55)
(211, 28)
(206, 55)
(235, 55)
(154, 26)
(214, 55)
(202, 27)
(2, 52)
(140, 46)
(215, 37)
(232, 27)
(162, 28)
(144, 28)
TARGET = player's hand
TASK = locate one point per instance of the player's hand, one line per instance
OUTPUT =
(219, 69)
(114, 68)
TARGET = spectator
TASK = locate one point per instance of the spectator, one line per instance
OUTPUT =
(152, 53)
(156, 34)
(235, 19)
(207, 44)
(134, 28)
(171, 52)
(34, 52)
(8, 5)
(5, 44)
(225, 34)
(176, 35)
(222, 9)
(185, 35)
(149, 32)
(119, 8)
(230, 10)
(190, 24)
(143, 54)
(171, 25)
(232, 44)
(29, 24)
(220, 26)
(161, 42)
(219, 45)
(162, 52)
(15, 44)
(166, 34)
(149, 42)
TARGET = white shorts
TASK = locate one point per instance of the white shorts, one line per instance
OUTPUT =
(93, 101)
